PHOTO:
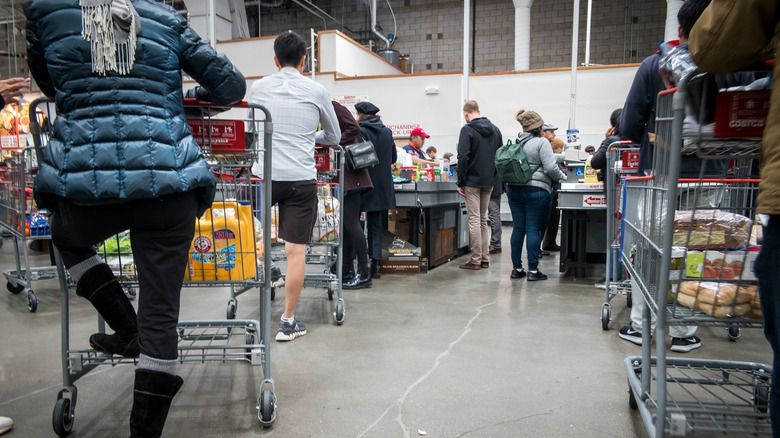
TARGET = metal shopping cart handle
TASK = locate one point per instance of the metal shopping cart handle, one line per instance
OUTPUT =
(35, 127)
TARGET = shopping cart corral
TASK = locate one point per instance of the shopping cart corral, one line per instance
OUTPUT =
(227, 251)
(688, 244)
(21, 220)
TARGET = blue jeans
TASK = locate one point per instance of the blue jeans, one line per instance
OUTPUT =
(769, 284)
(530, 208)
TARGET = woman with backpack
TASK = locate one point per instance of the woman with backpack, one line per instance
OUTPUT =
(530, 201)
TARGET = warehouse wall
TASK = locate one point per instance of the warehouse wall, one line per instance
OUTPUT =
(431, 32)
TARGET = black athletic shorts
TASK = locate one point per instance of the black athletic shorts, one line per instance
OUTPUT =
(297, 209)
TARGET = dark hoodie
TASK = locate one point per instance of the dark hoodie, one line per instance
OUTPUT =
(479, 140)
(383, 195)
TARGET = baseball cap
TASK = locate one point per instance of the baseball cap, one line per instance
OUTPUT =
(420, 132)
(549, 127)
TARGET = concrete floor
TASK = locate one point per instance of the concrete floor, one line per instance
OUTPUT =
(450, 353)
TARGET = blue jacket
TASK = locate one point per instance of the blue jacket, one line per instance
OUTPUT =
(123, 137)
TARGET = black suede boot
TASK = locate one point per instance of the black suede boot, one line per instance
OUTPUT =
(347, 272)
(152, 397)
(376, 268)
(102, 289)
(361, 281)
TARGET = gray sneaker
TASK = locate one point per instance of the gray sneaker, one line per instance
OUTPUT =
(288, 331)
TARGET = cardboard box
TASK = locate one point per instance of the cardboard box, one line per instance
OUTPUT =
(741, 113)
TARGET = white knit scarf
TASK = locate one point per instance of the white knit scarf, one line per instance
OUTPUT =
(111, 26)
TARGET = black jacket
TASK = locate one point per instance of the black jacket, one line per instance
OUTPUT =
(599, 159)
(638, 118)
(479, 140)
(383, 195)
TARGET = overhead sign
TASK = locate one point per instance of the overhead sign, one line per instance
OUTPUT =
(349, 102)
(403, 129)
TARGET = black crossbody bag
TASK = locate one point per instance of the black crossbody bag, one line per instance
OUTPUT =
(360, 155)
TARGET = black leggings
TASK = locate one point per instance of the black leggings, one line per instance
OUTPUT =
(161, 231)
(354, 239)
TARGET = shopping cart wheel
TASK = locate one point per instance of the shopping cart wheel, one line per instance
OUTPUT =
(338, 315)
(14, 288)
(629, 300)
(249, 339)
(232, 306)
(330, 294)
(631, 400)
(32, 301)
(273, 293)
(761, 395)
(605, 317)
(62, 418)
(130, 293)
(266, 408)
(734, 333)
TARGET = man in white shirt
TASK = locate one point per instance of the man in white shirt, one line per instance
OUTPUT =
(298, 106)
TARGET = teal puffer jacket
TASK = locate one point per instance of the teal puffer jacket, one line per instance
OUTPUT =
(123, 137)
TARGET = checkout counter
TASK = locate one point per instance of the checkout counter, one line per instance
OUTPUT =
(432, 216)
(583, 209)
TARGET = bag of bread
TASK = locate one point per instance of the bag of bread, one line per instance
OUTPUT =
(711, 229)
(720, 300)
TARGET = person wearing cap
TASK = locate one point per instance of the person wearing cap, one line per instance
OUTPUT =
(477, 145)
(590, 150)
(382, 198)
(548, 131)
(530, 202)
(356, 182)
(298, 106)
(414, 148)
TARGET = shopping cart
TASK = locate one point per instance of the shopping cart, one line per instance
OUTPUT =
(324, 253)
(20, 218)
(621, 162)
(227, 251)
(687, 245)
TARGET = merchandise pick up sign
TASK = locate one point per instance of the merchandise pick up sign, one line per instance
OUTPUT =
(594, 200)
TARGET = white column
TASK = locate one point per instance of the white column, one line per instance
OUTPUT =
(523, 34)
(575, 30)
(212, 24)
(670, 30)
(464, 93)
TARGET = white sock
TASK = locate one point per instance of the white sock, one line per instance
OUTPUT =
(519, 270)
(288, 320)
(534, 272)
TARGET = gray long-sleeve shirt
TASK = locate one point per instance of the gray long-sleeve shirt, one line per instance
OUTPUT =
(541, 157)
(298, 106)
